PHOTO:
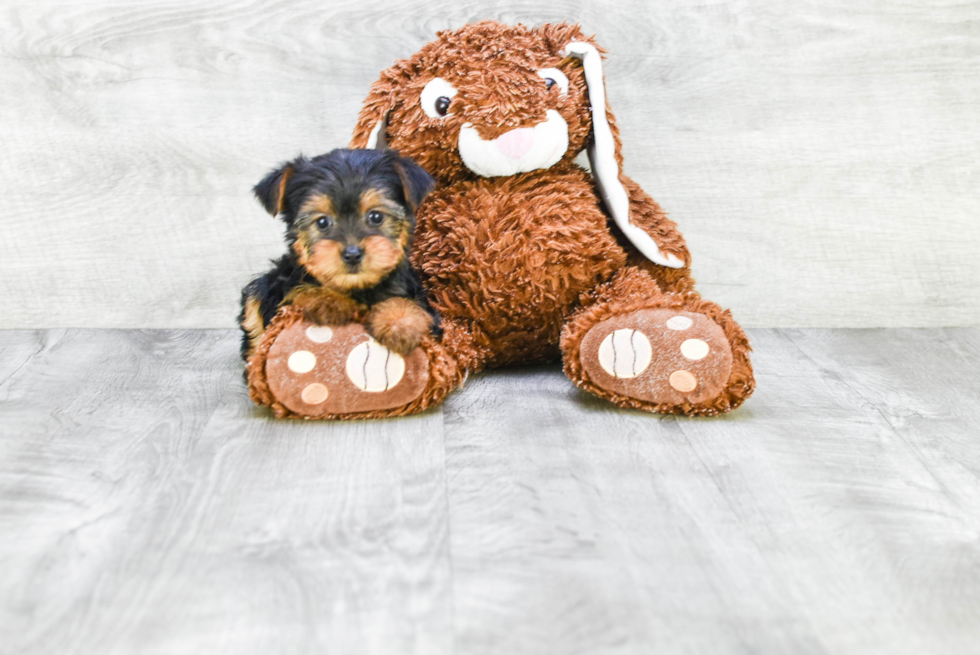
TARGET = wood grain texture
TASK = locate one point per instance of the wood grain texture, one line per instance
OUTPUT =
(837, 512)
(147, 507)
(820, 157)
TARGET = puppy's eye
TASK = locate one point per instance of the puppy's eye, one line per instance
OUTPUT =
(553, 76)
(436, 97)
(324, 223)
(375, 218)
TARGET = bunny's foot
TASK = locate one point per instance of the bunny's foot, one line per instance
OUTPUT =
(310, 371)
(658, 352)
(660, 356)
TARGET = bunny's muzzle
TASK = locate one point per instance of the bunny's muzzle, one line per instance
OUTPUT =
(517, 151)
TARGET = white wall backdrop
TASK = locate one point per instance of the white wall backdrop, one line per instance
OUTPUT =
(820, 156)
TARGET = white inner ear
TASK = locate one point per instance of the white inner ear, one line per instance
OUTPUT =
(378, 139)
(560, 79)
(435, 89)
(602, 154)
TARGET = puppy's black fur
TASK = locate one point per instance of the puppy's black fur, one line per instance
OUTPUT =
(343, 181)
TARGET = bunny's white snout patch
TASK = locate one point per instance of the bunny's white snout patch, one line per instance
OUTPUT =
(517, 151)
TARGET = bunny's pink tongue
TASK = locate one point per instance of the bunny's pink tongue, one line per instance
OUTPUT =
(516, 143)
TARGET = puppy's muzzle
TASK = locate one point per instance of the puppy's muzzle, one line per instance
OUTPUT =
(352, 255)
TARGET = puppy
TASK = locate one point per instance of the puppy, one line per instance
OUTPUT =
(349, 216)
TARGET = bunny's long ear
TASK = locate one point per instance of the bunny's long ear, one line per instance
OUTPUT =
(372, 123)
(605, 158)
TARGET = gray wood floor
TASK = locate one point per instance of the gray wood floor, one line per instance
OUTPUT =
(147, 507)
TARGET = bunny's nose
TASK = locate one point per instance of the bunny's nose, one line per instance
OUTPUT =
(352, 255)
(516, 143)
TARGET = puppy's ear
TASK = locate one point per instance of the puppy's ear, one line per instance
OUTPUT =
(416, 183)
(271, 191)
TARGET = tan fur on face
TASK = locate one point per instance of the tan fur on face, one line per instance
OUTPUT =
(381, 255)
(318, 204)
(375, 199)
(323, 261)
(321, 257)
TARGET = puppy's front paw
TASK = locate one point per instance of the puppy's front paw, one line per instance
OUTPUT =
(399, 324)
(325, 306)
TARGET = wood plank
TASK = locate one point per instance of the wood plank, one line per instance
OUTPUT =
(821, 158)
(317, 537)
(94, 434)
(17, 349)
(801, 523)
(156, 510)
(843, 509)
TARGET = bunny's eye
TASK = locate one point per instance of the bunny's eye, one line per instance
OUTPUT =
(553, 76)
(436, 97)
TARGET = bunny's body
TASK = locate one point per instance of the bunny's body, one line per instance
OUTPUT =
(507, 272)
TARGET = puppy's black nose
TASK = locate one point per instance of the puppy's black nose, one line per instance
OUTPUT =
(352, 255)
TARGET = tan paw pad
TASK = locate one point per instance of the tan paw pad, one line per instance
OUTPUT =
(625, 353)
(679, 323)
(314, 394)
(374, 368)
(683, 381)
(695, 349)
(319, 333)
(302, 361)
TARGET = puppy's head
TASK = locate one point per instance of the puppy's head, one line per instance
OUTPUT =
(349, 214)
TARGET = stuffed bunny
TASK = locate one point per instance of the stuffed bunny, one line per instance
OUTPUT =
(528, 256)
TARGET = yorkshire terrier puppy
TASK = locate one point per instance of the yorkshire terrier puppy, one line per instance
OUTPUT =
(349, 216)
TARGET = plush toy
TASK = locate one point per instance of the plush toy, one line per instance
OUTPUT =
(526, 255)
